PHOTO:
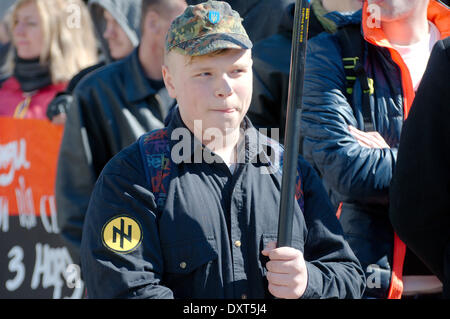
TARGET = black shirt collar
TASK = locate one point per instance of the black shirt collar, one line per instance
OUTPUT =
(253, 148)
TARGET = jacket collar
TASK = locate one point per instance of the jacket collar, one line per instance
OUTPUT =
(437, 13)
(344, 18)
(251, 148)
(137, 86)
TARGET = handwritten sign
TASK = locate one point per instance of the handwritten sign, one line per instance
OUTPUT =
(35, 262)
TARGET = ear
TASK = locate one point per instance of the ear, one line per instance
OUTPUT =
(168, 81)
(152, 22)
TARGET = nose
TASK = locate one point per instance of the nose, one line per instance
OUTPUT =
(223, 88)
(19, 29)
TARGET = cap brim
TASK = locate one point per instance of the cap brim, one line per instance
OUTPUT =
(214, 42)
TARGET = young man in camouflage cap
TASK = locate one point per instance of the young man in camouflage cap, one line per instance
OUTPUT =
(191, 210)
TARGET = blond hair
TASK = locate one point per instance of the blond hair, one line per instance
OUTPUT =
(69, 43)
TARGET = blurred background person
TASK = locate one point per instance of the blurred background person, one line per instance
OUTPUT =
(117, 27)
(117, 24)
(272, 61)
(262, 18)
(5, 32)
(351, 133)
(47, 50)
(112, 108)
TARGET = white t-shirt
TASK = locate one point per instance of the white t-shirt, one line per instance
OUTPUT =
(417, 54)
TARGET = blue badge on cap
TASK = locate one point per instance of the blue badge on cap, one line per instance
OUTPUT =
(214, 17)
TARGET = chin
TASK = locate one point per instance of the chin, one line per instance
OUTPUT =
(26, 55)
(224, 126)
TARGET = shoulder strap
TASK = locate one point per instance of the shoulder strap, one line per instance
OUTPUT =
(352, 44)
(155, 154)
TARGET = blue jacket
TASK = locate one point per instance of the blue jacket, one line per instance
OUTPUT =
(353, 175)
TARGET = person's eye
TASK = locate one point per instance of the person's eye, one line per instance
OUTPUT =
(204, 74)
(237, 71)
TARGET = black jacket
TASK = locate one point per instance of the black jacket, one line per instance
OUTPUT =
(206, 241)
(112, 107)
(420, 190)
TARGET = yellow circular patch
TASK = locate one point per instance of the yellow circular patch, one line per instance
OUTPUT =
(122, 234)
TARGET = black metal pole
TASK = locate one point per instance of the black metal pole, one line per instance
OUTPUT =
(292, 133)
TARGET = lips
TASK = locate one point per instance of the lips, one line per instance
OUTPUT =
(226, 110)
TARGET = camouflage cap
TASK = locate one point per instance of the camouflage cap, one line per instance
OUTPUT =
(207, 27)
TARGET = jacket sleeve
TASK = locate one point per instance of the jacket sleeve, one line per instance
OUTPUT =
(357, 173)
(333, 269)
(122, 190)
(75, 175)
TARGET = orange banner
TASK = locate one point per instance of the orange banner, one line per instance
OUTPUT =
(28, 158)
(36, 263)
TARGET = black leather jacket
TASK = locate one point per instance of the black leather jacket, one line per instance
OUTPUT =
(112, 107)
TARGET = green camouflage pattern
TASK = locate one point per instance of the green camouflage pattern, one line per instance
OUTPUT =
(198, 31)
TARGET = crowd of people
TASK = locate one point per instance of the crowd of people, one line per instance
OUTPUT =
(371, 217)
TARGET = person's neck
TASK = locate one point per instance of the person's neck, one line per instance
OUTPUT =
(225, 147)
(341, 6)
(151, 59)
(406, 31)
